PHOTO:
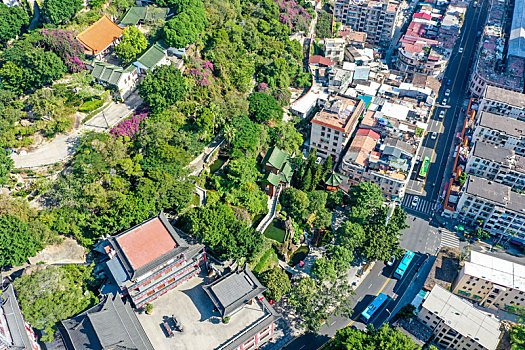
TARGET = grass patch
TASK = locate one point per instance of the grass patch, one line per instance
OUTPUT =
(267, 261)
(217, 164)
(299, 255)
(275, 232)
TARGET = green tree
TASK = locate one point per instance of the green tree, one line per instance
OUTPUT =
(131, 44)
(186, 26)
(6, 165)
(163, 88)
(60, 11)
(517, 337)
(295, 202)
(406, 312)
(247, 137)
(277, 282)
(286, 137)
(317, 200)
(313, 300)
(264, 107)
(12, 20)
(217, 226)
(382, 338)
(52, 294)
(16, 241)
(365, 199)
(29, 68)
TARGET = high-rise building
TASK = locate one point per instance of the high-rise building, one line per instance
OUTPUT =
(376, 18)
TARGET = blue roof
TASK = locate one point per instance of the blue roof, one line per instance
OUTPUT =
(366, 99)
(117, 271)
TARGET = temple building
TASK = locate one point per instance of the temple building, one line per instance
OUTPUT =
(149, 259)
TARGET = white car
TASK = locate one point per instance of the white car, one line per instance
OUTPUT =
(444, 102)
(391, 261)
(460, 50)
(434, 135)
(441, 114)
(447, 92)
(415, 201)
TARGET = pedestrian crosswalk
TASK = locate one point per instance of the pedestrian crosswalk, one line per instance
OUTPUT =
(449, 239)
(423, 206)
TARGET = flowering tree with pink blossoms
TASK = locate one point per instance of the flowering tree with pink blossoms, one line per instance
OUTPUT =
(203, 73)
(294, 15)
(129, 127)
(66, 46)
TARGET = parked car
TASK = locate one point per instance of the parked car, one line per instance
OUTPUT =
(447, 92)
(449, 82)
(434, 135)
(460, 50)
(441, 114)
(444, 102)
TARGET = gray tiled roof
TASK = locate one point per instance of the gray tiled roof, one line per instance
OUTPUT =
(111, 324)
(507, 125)
(15, 320)
(233, 290)
(510, 97)
(494, 153)
(487, 189)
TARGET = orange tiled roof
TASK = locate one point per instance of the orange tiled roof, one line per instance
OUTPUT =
(98, 36)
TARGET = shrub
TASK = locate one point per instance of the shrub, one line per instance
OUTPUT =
(91, 105)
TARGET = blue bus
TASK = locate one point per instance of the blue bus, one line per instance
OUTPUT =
(403, 264)
(372, 308)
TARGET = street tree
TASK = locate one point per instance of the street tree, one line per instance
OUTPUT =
(131, 44)
(382, 338)
(314, 300)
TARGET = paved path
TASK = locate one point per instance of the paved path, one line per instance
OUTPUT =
(202, 159)
(62, 147)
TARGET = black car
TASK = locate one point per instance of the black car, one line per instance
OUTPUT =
(448, 82)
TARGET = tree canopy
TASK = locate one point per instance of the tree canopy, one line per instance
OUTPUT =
(277, 282)
(60, 11)
(16, 241)
(382, 338)
(6, 165)
(264, 107)
(12, 20)
(52, 294)
(187, 25)
(131, 44)
(163, 88)
(218, 227)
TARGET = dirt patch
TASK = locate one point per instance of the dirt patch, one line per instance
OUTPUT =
(67, 252)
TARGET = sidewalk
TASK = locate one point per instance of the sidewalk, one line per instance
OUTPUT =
(62, 147)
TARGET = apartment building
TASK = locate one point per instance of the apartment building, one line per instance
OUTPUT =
(492, 68)
(334, 49)
(376, 18)
(503, 102)
(500, 131)
(492, 282)
(493, 207)
(498, 164)
(417, 54)
(457, 324)
(333, 126)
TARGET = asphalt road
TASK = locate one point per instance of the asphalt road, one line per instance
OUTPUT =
(423, 237)
(457, 72)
